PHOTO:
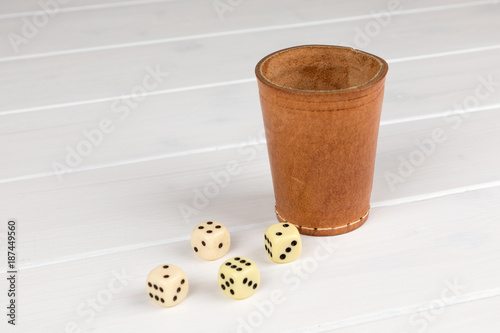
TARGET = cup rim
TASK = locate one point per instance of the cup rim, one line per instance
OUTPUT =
(374, 80)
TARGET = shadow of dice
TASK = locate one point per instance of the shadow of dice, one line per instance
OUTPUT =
(167, 285)
(282, 242)
(210, 240)
(239, 277)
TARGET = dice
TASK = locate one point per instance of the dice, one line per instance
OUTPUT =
(239, 277)
(167, 285)
(282, 242)
(210, 240)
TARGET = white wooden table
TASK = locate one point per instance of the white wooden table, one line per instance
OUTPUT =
(101, 162)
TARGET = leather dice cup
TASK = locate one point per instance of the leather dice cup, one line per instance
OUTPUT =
(321, 107)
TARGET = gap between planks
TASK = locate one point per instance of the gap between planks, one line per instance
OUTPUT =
(227, 83)
(394, 313)
(249, 30)
(220, 148)
(85, 8)
(393, 202)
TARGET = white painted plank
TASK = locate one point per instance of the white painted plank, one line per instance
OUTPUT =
(113, 73)
(160, 125)
(106, 205)
(464, 142)
(29, 8)
(400, 260)
(475, 316)
(117, 23)
(191, 120)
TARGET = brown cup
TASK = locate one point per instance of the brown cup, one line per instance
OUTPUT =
(321, 106)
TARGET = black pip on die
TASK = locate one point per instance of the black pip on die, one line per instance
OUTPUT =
(239, 277)
(210, 240)
(167, 285)
(282, 242)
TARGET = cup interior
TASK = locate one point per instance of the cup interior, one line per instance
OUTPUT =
(321, 68)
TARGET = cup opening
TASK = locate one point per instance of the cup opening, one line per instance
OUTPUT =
(321, 68)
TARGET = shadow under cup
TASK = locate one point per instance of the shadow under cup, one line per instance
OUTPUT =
(321, 107)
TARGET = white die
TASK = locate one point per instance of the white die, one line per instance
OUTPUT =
(239, 277)
(210, 240)
(167, 285)
(282, 242)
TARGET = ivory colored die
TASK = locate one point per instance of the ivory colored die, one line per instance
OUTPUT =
(210, 240)
(167, 285)
(282, 242)
(239, 277)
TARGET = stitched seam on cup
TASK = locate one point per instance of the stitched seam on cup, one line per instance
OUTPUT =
(323, 229)
(327, 110)
(321, 212)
